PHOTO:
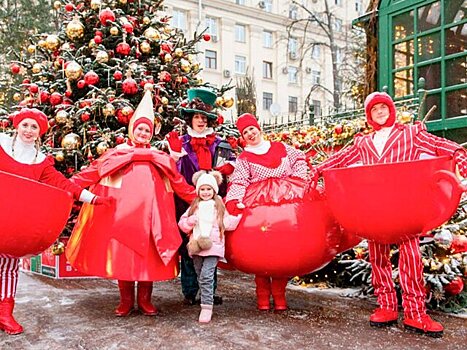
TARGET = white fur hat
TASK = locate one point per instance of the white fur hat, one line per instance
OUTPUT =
(213, 179)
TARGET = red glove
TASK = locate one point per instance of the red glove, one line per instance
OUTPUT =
(174, 141)
(225, 169)
(232, 208)
(101, 200)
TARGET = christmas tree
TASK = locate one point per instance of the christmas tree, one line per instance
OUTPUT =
(90, 75)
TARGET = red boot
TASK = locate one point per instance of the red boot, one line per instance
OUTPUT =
(424, 325)
(7, 322)
(278, 293)
(127, 298)
(263, 292)
(144, 299)
(383, 317)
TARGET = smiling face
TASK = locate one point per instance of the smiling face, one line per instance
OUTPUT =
(142, 133)
(199, 122)
(252, 136)
(206, 192)
(380, 113)
(28, 130)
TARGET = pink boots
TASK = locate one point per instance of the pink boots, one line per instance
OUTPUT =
(205, 314)
(7, 322)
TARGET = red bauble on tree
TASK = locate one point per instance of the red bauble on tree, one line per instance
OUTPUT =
(129, 86)
(128, 28)
(44, 96)
(165, 76)
(85, 117)
(123, 49)
(69, 7)
(124, 114)
(98, 39)
(33, 88)
(455, 287)
(118, 75)
(15, 68)
(106, 15)
(338, 129)
(91, 78)
(55, 99)
(206, 37)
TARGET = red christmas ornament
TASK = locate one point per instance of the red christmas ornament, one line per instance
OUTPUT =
(81, 84)
(118, 75)
(128, 28)
(119, 139)
(459, 244)
(166, 47)
(4, 123)
(165, 76)
(68, 93)
(52, 123)
(124, 115)
(85, 117)
(99, 33)
(33, 88)
(69, 7)
(184, 80)
(206, 37)
(123, 49)
(26, 81)
(220, 119)
(338, 129)
(91, 78)
(98, 39)
(129, 86)
(15, 68)
(55, 99)
(455, 287)
(106, 15)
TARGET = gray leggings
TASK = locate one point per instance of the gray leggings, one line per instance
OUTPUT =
(205, 267)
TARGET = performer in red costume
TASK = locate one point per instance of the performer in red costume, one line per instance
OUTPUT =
(389, 143)
(20, 155)
(259, 161)
(138, 238)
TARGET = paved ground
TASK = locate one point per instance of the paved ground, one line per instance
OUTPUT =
(77, 314)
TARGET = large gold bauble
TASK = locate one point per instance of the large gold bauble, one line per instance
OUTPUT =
(123, 2)
(152, 34)
(185, 65)
(58, 248)
(61, 117)
(165, 101)
(95, 4)
(42, 44)
(59, 156)
(178, 52)
(17, 97)
(92, 44)
(114, 31)
(108, 110)
(145, 47)
(73, 70)
(102, 57)
(57, 5)
(228, 102)
(219, 101)
(146, 20)
(36, 68)
(195, 67)
(71, 141)
(74, 29)
(31, 49)
(102, 147)
(168, 58)
(52, 42)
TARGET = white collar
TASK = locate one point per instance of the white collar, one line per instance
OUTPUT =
(24, 152)
(206, 132)
(262, 148)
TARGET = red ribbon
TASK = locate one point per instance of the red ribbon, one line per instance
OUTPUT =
(200, 146)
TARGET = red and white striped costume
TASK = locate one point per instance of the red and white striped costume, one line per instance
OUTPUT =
(404, 143)
(289, 163)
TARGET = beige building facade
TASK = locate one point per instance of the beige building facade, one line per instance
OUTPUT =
(251, 37)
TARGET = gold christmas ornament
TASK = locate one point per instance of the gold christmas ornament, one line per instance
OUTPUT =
(42, 44)
(108, 110)
(57, 5)
(92, 44)
(61, 117)
(73, 70)
(123, 2)
(195, 67)
(152, 34)
(114, 31)
(58, 248)
(168, 58)
(167, 30)
(185, 65)
(178, 52)
(165, 101)
(52, 42)
(160, 109)
(191, 58)
(219, 101)
(228, 102)
(31, 49)
(71, 141)
(96, 4)
(146, 20)
(17, 97)
(60, 156)
(36, 68)
(102, 147)
(145, 47)
(102, 57)
(74, 30)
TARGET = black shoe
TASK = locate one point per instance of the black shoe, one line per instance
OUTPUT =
(191, 301)
(217, 300)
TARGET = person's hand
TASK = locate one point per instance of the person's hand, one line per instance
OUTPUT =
(234, 207)
(101, 200)
(225, 169)
(192, 220)
(174, 141)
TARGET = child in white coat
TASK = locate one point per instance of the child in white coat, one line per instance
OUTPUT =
(205, 221)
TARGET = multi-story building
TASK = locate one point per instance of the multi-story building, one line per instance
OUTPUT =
(251, 37)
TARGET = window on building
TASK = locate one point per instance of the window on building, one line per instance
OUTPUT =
(267, 70)
(240, 33)
(316, 108)
(267, 39)
(240, 2)
(293, 12)
(338, 2)
(212, 29)
(267, 5)
(293, 104)
(211, 59)
(316, 52)
(178, 19)
(240, 64)
(337, 23)
(315, 77)
(359, 6)
(267, 100)
(293, 75)
(339, 55)
(293, 48)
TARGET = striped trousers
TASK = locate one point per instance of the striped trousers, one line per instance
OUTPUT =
(410, 277)
(8, 277)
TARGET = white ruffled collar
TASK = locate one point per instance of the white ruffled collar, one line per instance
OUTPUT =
(23, 152)
(206, 132)
(262, 148)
